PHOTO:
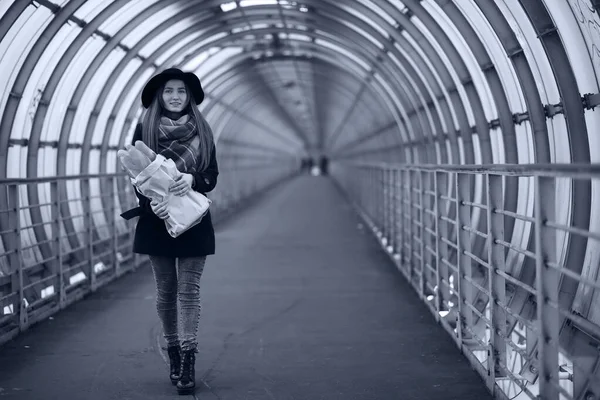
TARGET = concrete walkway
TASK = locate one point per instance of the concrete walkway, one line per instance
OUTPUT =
(298, 303)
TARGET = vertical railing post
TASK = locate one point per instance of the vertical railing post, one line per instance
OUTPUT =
(410, 220)
(16, 257)
(422, 233)
(496, 283)
(547, 285)
(358, 187)
(393, 211)
(351, 186)
(385, 203)
(375, 195)
(402, 218)
(112, 182)
(88, 218)
(441, 229)
(463, 241)
(398, 212)
(369, 190)
(56, 239)
(364, 188)
(380, 182)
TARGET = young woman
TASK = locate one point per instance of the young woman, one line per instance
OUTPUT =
(174, 127)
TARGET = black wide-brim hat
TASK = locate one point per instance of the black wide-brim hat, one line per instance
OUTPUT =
(189, 78)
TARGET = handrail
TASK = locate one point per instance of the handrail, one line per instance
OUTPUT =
(550, 170)
(444, 228)
(48, 179)
(79, 242)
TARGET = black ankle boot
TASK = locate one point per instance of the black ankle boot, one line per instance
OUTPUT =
(187, 384)
(175, 360)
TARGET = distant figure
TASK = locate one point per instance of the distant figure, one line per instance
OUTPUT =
(174, 127)
(307, 164)
(324, 164)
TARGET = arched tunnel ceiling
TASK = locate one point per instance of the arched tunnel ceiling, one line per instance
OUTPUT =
(433, 81)
(411, 81)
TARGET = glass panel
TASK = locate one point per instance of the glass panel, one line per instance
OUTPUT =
(66, 88)
(4, 6)
(373, 6)
(175, 49)
(466, 55)
(430, 93)
(415, 46)
(522, 229)
(321, 42)
(206, 42)
(592, 120)
(354, 12)
(14, 162)
(496, 52)
(92, 92)
(217, 59)
(559, 139)
(115, 97)
(126, 100)
(98, 218)
(214, 110)
(589, 23)
(150, 24)
(94, 159)
(17, 43)
(461, 150)
(438, 49)
(228, 6)
(397, 104)
(192, 63)
(297, 36)
(90, 9)
(497, 146)
(73, 162)
(525, 148)
(579, 28)
(449, 152)
(126, 14)
(366, 35)
(533, 49)
(398, 4)
(44, 197)
(38, 79)
(111, 162)
(47, 160)
(129, 135)
(249, 3)
(263, 26)
(297, 26)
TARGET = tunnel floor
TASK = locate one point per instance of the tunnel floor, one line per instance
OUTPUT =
(298, 303)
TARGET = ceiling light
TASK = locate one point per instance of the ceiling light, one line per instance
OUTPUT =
(228, 6)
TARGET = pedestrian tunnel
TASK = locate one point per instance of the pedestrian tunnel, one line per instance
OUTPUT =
(463, 132)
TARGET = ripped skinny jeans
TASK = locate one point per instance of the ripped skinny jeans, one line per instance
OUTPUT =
(181, 283)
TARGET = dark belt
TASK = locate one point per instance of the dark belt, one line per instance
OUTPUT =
(134, 212)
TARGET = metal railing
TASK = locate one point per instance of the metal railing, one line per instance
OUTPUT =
(80, 244)
(72, 241)
(502, 296)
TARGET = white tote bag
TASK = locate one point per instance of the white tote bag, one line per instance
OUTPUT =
(184, 211)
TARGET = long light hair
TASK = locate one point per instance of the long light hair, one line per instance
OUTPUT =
(151, 121)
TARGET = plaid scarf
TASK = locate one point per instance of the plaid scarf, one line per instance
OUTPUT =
(179, 141)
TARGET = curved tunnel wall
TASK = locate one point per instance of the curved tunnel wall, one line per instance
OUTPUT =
(414, 82)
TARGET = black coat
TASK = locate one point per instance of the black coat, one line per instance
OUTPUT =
(151, 236)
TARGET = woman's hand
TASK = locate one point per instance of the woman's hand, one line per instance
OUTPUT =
(182, 184)
(160, 208)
